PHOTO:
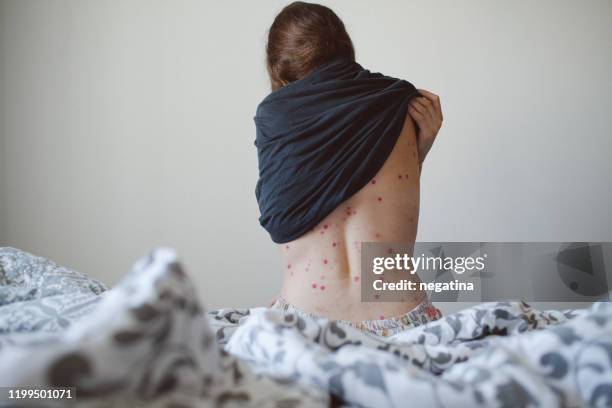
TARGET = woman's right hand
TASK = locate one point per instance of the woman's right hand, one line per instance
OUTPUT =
(426, 111)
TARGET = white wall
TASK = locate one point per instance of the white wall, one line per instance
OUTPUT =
(128, 124)
(3, 119)
(3, 215)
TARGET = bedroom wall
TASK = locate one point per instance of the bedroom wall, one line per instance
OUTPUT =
(2, 184)
(128, 125)
(2, 171)
(3, 102)
(2, 189)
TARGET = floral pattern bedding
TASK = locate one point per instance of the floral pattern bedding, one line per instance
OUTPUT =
(149, 342)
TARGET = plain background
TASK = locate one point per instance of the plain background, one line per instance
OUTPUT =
(127, 125)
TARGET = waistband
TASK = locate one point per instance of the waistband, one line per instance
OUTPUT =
(423, 313)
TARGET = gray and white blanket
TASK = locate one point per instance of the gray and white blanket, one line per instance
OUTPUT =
(149, 342)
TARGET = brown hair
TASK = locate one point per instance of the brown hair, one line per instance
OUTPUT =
(302, 37)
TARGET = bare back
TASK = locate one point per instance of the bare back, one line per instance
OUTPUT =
(323, 267)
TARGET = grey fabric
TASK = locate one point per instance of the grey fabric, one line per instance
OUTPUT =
(38, 295)
(149, 342)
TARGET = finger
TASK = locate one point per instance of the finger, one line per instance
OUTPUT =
(431, 109)
(419, 105)
(434, 115)
(426, 108)
(421, 120)
(434, 98)
(417, 116)
(427, 94)
(420, 114)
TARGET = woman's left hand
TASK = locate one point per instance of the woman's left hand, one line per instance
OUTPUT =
(427, 113)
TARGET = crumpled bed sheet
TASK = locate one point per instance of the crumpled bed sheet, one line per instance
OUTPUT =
(149, 342)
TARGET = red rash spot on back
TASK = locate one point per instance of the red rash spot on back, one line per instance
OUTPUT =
(399, 176)
(356, 279)
(333, 244)
(325, 261)
(322, 287)
(373, 181)
(377, 235)
(325, 226)
(287, 247)
(406, 176)
(314, 285)
(382, 317)
(289, 266)
(379, 199)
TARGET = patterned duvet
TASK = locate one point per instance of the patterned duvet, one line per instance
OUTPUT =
(149, 342)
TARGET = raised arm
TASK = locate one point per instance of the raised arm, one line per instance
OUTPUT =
(427, 113)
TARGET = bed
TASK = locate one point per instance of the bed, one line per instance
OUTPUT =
(150, 342)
